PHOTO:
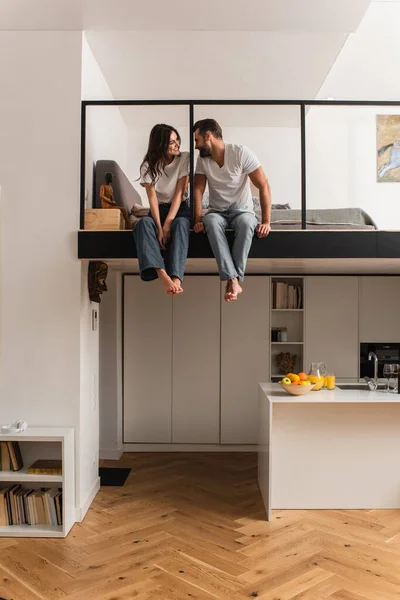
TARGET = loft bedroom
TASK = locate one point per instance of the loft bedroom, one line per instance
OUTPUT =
(332, 167)
(340, 144)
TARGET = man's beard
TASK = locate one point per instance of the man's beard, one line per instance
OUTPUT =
(205, 151)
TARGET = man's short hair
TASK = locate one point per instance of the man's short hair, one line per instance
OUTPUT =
(210, 125)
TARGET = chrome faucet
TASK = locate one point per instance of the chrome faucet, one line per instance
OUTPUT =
(373, 383)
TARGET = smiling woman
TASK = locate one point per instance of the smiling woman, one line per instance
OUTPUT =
(162, 237)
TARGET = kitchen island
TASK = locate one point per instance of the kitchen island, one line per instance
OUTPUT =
(335, 449)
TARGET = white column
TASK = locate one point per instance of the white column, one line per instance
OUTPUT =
(40, 285)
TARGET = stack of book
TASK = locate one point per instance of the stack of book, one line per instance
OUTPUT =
(285, 295)
(20, 506)
(46, 467)
(10, 456)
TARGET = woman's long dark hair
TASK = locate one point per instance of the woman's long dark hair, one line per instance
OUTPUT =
(157, 152)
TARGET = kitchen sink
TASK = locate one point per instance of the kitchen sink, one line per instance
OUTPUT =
(360, 386)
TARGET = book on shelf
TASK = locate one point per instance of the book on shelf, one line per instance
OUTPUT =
(19, 506)
(46, 467)
(10, 456)
(286, 295)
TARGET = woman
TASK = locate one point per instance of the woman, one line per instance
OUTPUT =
(164, 173)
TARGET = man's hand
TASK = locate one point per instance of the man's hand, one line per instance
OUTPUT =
(160, 238)
(263, 229)
(166, 232)
(198, 226)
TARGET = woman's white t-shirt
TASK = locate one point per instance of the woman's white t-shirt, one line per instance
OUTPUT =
(166, 183)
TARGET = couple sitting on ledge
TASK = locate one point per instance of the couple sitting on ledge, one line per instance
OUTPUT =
(162, 238)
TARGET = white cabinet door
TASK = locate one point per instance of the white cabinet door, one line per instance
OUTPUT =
(147, 362)
(196, 362)
(244, 360)
(379, 309)
(331, 324)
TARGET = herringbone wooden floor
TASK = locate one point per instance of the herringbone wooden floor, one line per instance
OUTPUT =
(193, 526)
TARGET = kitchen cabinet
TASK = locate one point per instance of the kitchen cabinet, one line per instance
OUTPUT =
(196, 362)
(245, 342)
(379, 309)
(147, 362)
(331, 324)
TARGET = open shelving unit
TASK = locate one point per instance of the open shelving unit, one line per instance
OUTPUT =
(39, 443)
(292, 319)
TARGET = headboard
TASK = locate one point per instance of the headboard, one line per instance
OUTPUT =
(124, 192)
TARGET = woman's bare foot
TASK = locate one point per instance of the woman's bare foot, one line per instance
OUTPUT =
(233, 289)
(169, 286)
(178, 283)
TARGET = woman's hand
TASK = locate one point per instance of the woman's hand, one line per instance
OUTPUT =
(198, 226)
(166, 232)
(160, 238)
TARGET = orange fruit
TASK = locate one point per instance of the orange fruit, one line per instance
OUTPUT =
(293, 377)
(303, 376)
(296, 382)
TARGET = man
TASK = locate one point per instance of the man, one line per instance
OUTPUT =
(227, 169)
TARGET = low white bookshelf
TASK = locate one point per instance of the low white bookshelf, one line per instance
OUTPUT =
(44, 443)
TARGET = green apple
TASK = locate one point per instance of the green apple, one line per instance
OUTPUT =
(286, 381)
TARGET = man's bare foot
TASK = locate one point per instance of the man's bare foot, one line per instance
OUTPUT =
(233, 289)
(169, 286)
(178, 283)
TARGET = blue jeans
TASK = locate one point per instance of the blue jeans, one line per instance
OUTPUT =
(149, 253)
(230, 265)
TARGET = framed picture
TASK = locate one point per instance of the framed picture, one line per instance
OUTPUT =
(388, 147)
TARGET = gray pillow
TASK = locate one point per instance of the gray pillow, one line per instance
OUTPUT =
(281, 206)
(256, 204)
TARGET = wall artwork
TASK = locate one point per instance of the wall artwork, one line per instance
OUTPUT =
(388, 147)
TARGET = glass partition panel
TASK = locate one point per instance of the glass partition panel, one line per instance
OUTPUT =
(121, 134)
(353, 167)
(272, 133)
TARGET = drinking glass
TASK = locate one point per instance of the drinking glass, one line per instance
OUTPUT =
(330, 381)
(390, 372)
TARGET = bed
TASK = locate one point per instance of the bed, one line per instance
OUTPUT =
(282, 216)
(323, 218)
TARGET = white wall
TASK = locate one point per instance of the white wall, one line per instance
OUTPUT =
(110, 376)
(106, 131)
(40, 289)
(89, 386)
(341, 142)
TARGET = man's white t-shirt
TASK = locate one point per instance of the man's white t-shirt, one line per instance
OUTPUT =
(165, 185)
(229, 185)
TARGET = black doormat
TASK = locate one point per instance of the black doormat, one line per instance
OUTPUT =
(113, 475)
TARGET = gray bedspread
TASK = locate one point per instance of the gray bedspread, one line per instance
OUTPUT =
(323, 218)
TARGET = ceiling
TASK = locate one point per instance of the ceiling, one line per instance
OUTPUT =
(231, 65)
(366, 65)
(177, 15)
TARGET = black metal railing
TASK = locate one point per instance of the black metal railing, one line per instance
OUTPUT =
(302, 104)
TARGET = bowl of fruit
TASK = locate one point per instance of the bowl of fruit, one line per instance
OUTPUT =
(296, 384)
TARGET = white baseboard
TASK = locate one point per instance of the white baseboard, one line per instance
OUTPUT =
(109, 454)
(190, 448)
(80, 512)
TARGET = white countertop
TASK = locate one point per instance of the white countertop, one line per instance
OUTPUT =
(276, 394)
